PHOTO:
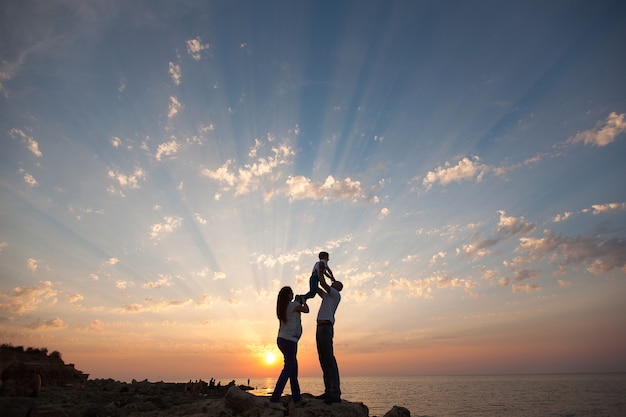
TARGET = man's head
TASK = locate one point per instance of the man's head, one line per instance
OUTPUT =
(337, 285)
(324, 256)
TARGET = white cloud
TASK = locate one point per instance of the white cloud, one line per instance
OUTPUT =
(26, 299)
(526, 288)
(174, 107)
(127, 181)
(513, 225)
(29, 179)
(74, 298)
(31, 263)
(600, 256)
(155, 306)
(218, 276)
(466, 169)
(195, 47)
(605, 132)
(163, 281)
(167, 149)
(436, 257)
(300, 188)
(247, 178)
(170, 223)
(384, 212)
(3, 246)
(562, 217)
(175, 73)
(116, 142)
(608, 208)
(31, 144)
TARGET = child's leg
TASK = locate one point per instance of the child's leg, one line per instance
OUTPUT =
(313, 283)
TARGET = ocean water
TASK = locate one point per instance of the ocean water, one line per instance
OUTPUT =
(567, 395)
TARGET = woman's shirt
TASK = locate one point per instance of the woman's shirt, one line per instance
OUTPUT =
(292, 329)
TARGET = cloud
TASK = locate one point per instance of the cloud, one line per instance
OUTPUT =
(562, 217)
(95, 326)
(28, 178)
(163, 281)
(608, 208)
(300, 187)
(604, 133)
(247, 178)
(195, 47)
(3, 246)
(170, 223)
(384, 212)
(31, 263)
(55, 323)
(122, 285)
(466, 169)
(116, 142)
(526, 288)
(479, 249)
(513, 225)
(174, 107)
(436, 257)
(423, 287)
(26, 299)
(599, 256)
(523, 274)
(112, 261)
(127, 181)
(31, 144)
(218, 276)
(155, 306)
(74, 298)
(167, 149)
(175, 73)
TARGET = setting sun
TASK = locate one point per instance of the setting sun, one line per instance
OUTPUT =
(270, 358)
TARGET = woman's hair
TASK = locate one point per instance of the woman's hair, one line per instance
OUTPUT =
(284, 298)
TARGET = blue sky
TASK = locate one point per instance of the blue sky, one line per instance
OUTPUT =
(167, 166)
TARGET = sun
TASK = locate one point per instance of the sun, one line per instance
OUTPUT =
(270, 358)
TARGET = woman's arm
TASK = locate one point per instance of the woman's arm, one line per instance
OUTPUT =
(302, 308)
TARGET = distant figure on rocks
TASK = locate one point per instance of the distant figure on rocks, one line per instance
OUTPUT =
(324, 338)
(289, 332)
(35, 386)
(320, 269)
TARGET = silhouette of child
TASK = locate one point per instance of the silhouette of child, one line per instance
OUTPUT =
(321, 268)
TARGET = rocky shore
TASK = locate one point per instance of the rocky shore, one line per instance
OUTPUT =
(66, 392)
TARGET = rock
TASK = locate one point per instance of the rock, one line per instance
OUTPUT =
(17, 407)
(398, 411)
(240, 401)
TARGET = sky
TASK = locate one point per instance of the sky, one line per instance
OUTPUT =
(166, 167)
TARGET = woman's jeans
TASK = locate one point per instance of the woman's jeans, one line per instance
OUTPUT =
(289, 372)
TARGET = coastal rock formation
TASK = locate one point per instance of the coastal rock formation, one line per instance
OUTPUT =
(37, 384)
(239, 403)
(23, 372)
(106, 398)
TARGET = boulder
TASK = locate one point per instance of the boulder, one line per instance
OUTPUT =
(398, 411)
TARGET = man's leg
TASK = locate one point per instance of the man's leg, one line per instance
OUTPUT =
(328, 363)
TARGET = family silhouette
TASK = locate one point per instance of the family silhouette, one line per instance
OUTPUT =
(288, 312)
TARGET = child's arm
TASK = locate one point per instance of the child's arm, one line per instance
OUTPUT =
(329, 274)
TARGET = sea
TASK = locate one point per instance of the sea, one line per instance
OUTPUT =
(553, 395)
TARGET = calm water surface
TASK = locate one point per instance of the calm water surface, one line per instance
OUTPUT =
(581, 395)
